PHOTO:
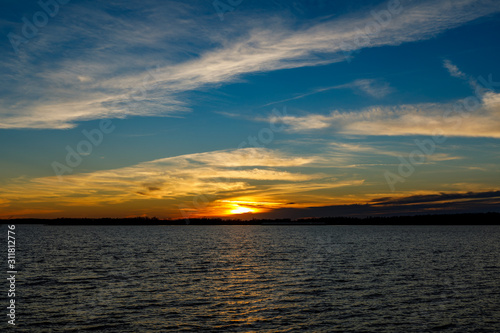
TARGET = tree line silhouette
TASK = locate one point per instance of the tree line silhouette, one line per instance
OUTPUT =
(490, 218)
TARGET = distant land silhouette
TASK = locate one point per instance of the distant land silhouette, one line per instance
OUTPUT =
(431, 219)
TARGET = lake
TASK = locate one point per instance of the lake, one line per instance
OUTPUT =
(257, 278)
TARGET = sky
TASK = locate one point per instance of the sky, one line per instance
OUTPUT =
(248, 109)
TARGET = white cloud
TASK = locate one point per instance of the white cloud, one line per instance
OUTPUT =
(442, 157)
(308, 122)
(453, 69)
(83, 78)
(479, 120)
(371, 87)
(248, 157)
(102, 77)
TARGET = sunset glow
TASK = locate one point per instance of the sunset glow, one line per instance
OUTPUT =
(315, 108)
(241, 210)
(250, 166)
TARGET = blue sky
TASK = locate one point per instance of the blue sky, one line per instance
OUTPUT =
(337, 97)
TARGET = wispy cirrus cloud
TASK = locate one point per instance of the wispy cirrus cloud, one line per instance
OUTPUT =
(453, 69)
(416, 119)
(228, 173)
(370, 87)
(101, 75)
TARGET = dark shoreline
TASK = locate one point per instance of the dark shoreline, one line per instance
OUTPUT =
(427, 219)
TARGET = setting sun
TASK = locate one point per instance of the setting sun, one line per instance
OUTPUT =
(240, 210)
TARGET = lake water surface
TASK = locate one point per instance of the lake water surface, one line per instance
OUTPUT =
(258, 278)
